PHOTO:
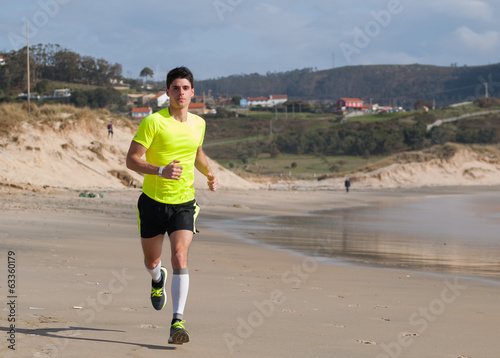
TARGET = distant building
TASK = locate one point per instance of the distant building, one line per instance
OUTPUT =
(141, 112)
(161, 100)
(209, 99)
(257, 101)
(271, 101)
(132, 99)
(57, 95)
(147, 98)
(350, 104)
(198, 108)
(276, 99)
(62, 93)
(2, 61)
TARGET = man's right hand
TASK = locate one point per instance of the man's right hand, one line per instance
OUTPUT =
(173, 170)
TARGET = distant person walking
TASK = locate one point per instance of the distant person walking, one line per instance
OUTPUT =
(171, 141)
(347, 184)
(110, 130)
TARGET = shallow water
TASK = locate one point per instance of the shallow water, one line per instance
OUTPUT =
(457, 234)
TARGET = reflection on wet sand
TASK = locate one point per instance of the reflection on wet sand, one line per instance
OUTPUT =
(453, 234)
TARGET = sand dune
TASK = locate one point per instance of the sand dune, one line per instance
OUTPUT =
(80, 158)
(465, 167)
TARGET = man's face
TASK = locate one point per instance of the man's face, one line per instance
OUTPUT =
(180, 93)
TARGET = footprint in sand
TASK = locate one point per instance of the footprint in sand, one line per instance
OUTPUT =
(128, 309)
(47, 319)
(362, 341)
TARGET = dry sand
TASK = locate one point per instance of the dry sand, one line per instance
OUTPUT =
(81, 288)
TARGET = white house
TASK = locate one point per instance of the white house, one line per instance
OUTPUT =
(276, 99)
(65, 92)
(161, 99)
(271, 101)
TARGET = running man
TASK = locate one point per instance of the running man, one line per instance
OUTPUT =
(171, 140)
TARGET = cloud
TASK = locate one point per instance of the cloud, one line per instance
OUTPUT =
(485, 42)
(468, 9)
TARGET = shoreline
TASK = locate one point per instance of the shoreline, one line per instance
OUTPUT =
(82, 287)
(328, 250)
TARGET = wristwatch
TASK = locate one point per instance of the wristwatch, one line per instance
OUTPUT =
(160, 171)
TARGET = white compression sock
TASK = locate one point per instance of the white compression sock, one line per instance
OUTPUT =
(179, 291)
(155, 273)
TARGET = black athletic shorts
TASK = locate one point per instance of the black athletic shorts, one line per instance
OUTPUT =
(157, 218)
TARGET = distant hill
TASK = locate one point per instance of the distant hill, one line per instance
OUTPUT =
(400, 85)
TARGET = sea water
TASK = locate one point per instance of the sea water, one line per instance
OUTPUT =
(457, 234)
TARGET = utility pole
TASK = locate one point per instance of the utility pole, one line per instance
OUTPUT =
(28, 59)
(486, 89)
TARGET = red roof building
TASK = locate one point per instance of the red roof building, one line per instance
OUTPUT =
(197, 108)
(142, 112)
(350, 103)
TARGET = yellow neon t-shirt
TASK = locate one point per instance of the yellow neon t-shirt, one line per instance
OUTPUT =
(166, 140)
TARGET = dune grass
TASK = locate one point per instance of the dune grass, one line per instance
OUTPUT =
(13, 116)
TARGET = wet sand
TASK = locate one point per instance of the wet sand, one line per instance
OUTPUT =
(455, 233)
(81, 288)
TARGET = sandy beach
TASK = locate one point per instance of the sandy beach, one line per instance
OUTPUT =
(74, 283)
(80, 289)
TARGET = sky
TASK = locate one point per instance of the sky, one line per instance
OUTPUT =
(218, 38)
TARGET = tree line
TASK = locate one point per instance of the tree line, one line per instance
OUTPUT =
(53, 62)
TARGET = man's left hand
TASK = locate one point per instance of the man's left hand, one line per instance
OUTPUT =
(212, 181)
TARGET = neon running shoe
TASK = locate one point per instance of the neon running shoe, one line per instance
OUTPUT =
(158, 295)
(178, 333)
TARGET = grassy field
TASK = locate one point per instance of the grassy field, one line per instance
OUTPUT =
(298, 166)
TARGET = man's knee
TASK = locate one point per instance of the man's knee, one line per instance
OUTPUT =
(179, 260)
(151, 263)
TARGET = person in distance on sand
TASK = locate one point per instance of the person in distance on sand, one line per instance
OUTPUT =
(171, 140)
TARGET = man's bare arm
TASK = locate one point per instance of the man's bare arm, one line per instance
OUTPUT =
(201, 163)
(136, 163)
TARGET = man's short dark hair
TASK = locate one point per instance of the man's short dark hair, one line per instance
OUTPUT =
(180, 72)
